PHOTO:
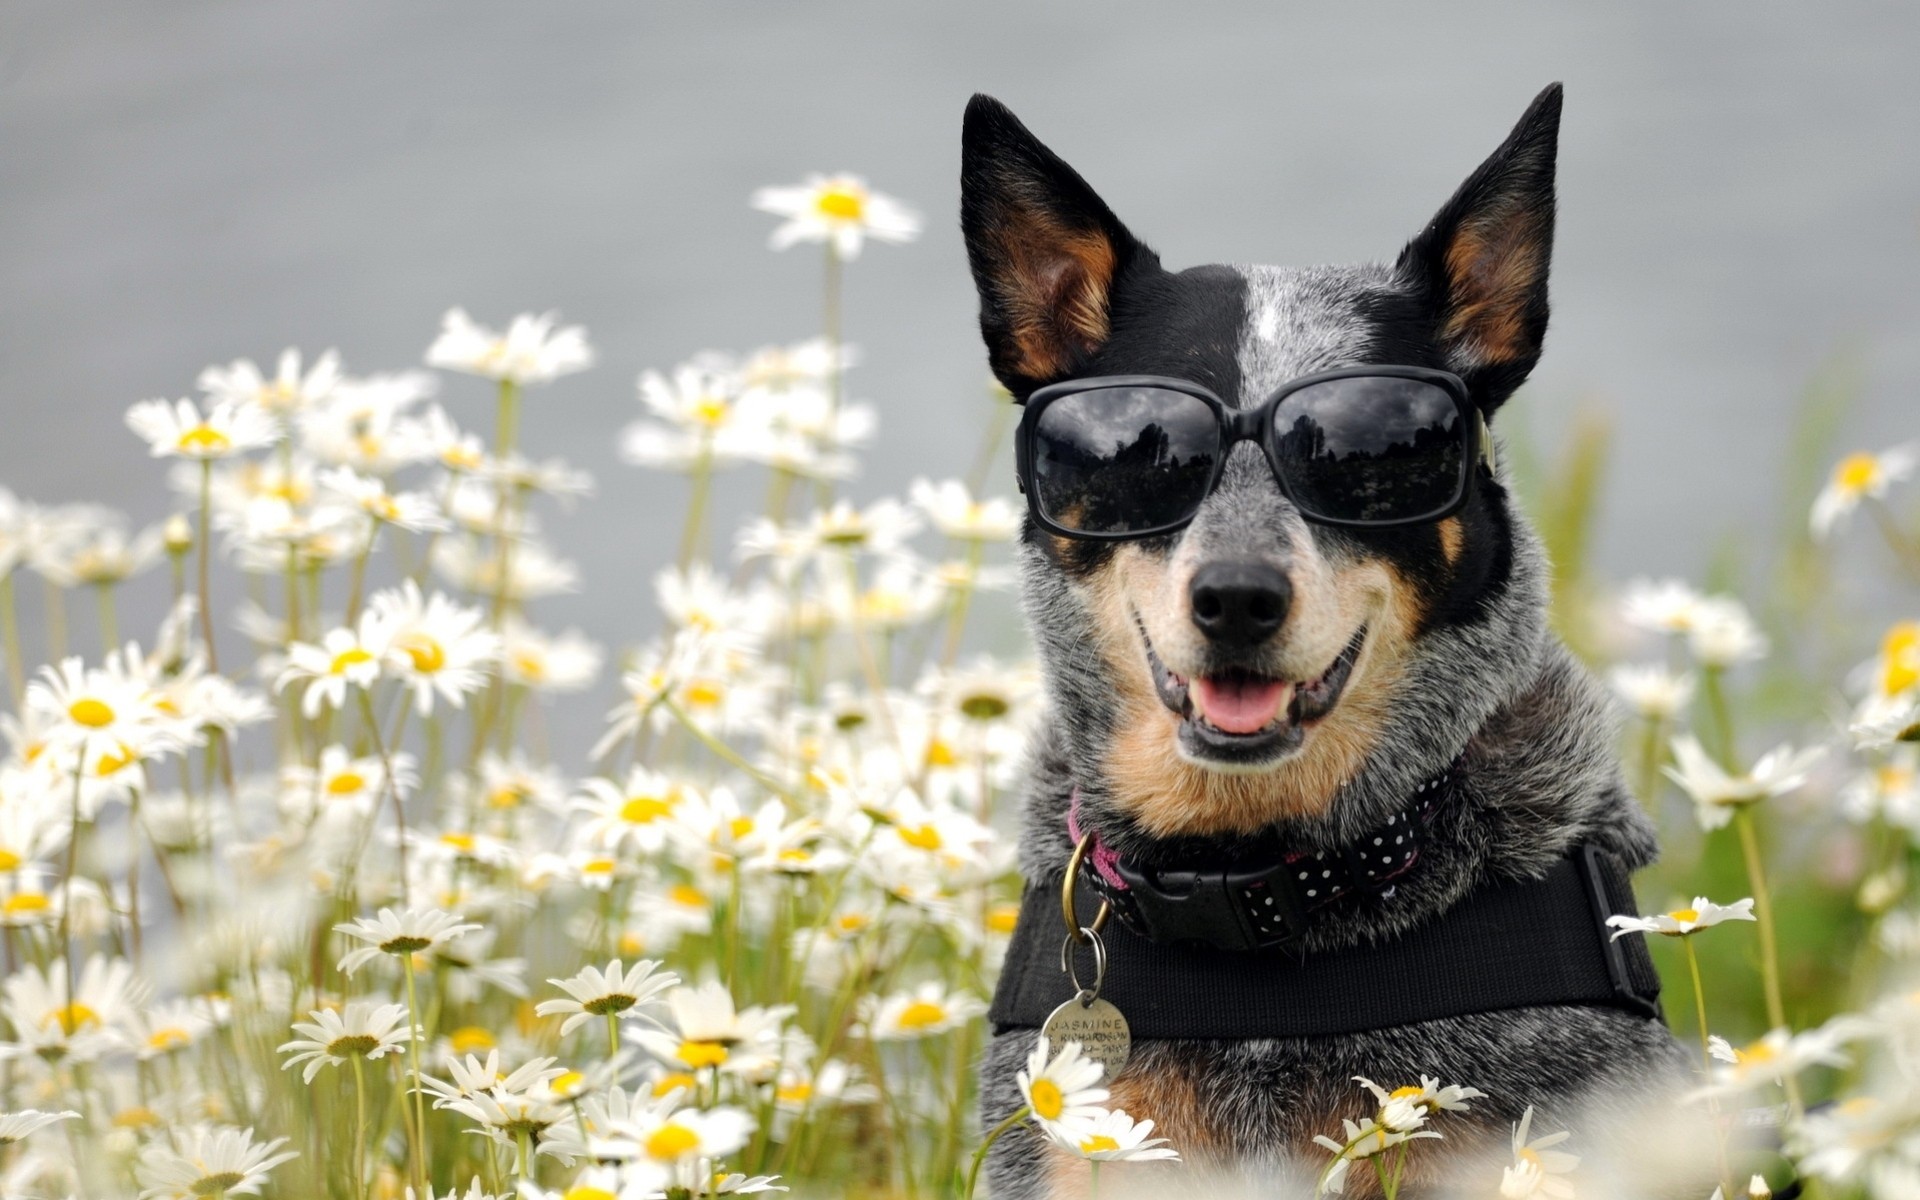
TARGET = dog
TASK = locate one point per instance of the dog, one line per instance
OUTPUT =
(1255, 676)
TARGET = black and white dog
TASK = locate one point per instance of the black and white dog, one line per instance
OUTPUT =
(1233, 678)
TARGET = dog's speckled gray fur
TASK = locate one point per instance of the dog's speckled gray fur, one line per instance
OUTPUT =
(1535, 735)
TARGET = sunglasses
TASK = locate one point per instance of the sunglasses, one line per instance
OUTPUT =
(1131, 456)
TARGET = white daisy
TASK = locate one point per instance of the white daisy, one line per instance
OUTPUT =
(1113, 1136)
(840, 209)
(399, 934)
(926, 1011)
(530, 351)
(345, 657)
(1652, 691)
(414, 512)
(1717, 793)
(547, 663)
(1537, 1167)
(366, 1029)
(435, 646)
(1682, 922)
(609, 993)
(178, 430)
(1858, 477)
(16, 1125)
(287, 394)
(955, 513)
(1060, 1089)
(204, 1161)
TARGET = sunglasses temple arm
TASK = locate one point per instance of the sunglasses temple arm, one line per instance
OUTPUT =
(1487, 454)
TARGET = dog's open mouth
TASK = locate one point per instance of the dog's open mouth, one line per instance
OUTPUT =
(1238, 715)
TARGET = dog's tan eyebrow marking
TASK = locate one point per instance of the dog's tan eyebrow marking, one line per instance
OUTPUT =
(1453, 538)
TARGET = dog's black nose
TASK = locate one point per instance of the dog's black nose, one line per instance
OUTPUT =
(1239, 604)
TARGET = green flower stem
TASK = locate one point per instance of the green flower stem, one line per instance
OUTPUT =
(506, 428)
(419, 1099)
(690, 533)
(1743, 821)
(205, 552)
(109, 623)
(1652, 754)
(66, 893)
(721, 750)
(613, 1037)
(1722, 714)
(360, 1126)
(962, 597)
(356, 590)
(1904, 547)
(387, 785)
(10, 631)
(56, 618)
(1699, 1003)
(1763, 914)
(980, 1155)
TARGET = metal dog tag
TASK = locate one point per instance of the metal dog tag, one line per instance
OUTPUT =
(1099, 1028)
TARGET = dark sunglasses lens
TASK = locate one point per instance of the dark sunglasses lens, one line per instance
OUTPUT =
(1371, 448)
(1122, 459)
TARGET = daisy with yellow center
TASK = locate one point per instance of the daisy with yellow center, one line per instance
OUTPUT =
(179, 430)
(344, 658)
(1538, 1169)
(1859, 478)
(840, 210)
(636, 814)
(530, 351)
(613, 994)
(1113, 1136)
(436, 647)
(705, 1032)
(364, 1029)
(927, 1011)
(1683, 922)
(1061, 1089)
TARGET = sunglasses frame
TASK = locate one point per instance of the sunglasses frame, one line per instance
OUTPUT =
(1254, 424)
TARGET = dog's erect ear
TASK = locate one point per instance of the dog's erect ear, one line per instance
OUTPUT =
(1482, 262)
(1046, 251)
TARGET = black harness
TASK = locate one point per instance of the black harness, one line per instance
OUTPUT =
(1214, 952)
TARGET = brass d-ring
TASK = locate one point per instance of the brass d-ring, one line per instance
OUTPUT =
(1075, 931)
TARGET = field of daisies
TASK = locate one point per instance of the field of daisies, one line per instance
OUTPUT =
(295, 902)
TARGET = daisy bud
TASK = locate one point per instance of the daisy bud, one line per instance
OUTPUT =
(177, 535)
(1757, 1188)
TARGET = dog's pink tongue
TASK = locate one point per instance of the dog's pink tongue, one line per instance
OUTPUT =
(1240, 705)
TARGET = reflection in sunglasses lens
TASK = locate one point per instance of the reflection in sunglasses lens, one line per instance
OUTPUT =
(1371, 448)
(1123, 459)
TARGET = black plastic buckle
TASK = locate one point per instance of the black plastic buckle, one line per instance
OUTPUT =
(1220, 907)
(1593, 877)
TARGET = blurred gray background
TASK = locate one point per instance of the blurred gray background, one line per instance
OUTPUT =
(185, 183)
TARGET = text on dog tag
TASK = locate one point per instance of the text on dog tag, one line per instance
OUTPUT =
(1099, 1028)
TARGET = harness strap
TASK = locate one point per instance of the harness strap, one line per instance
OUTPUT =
(1512, 945)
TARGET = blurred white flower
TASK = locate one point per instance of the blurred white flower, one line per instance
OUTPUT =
(344, 657)
(955, 513)
(836, 208)
(530, 351)
(1652, 691)
(1538, 1169)
(434, 646)
(1717, 793)
(927, 1011)
(1113, 1136)
(1662, 606)
(206, 1161)
(288, 393)
(1857, 477)
(178, 430)
(1723, 634)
